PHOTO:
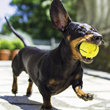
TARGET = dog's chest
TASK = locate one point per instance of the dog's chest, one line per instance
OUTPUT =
(57, 85)
(60, 80)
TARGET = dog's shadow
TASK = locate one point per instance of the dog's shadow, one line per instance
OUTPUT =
(23, 102)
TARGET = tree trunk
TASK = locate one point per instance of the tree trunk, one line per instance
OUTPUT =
(97, 13)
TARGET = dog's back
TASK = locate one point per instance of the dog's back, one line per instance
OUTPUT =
(24, 60)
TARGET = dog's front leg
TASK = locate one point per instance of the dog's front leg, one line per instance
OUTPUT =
(78, 90)
(83, 95)
(46, 96)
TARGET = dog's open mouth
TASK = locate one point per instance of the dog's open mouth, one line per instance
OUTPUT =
(87, 60)
(84, 59)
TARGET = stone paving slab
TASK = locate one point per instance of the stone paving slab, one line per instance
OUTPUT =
(95, 82)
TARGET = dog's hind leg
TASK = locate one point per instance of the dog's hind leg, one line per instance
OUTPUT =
(15, 75)
(17, 69)
(29, 89)
(14, 85)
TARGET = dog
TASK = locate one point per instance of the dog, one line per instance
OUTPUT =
(54, 71)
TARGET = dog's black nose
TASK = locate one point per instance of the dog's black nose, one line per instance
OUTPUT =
(97, 37)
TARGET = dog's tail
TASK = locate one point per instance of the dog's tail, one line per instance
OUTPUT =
(19, 36)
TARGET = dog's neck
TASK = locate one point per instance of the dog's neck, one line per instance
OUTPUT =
(63, 54)
(63, 59)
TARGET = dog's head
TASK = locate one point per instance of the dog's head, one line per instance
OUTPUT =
(74, 33)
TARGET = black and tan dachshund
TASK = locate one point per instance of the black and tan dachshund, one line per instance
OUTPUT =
(54, 71)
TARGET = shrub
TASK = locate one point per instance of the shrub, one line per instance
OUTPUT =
(17, 44)
(5, 44)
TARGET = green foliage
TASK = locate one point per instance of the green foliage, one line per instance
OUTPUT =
(11, 45)
(5, 44)
(17, 44)
(33, 17)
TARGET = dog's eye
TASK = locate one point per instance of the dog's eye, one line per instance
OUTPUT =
(81, 30)
(93, 29)
(78, 29)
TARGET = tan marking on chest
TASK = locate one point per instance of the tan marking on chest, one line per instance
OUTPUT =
(77, 76)
(53, 82)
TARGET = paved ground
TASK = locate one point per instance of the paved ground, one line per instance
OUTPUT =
(95, 82)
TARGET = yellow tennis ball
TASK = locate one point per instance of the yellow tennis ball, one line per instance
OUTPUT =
(88, 50)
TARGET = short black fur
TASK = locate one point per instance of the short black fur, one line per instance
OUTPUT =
(56, 70)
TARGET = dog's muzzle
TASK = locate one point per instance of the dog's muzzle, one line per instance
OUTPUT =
(98, 39)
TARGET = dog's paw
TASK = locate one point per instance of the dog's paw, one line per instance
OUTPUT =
(83, 95)
(28, 93)
(29, 89)
(46, 108)
(14, 91)
(86, 97)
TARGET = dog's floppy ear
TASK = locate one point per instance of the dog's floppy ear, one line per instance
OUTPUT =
(59, 17)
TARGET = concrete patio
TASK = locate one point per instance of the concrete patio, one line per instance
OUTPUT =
(95, 82)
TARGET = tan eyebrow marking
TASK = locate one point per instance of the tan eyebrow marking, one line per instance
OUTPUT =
(90, 27)
(82, 26)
